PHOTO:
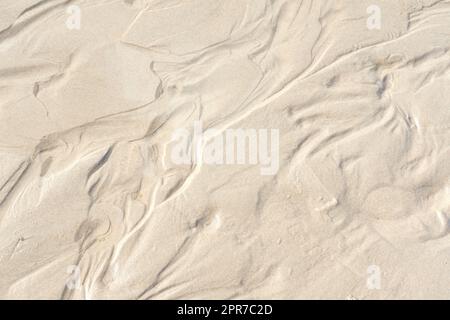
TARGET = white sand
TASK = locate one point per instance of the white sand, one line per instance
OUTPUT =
(93, 205)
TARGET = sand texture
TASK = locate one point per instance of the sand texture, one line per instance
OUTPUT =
(224, 149)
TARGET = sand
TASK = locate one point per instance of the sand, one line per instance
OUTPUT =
(210, 149)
